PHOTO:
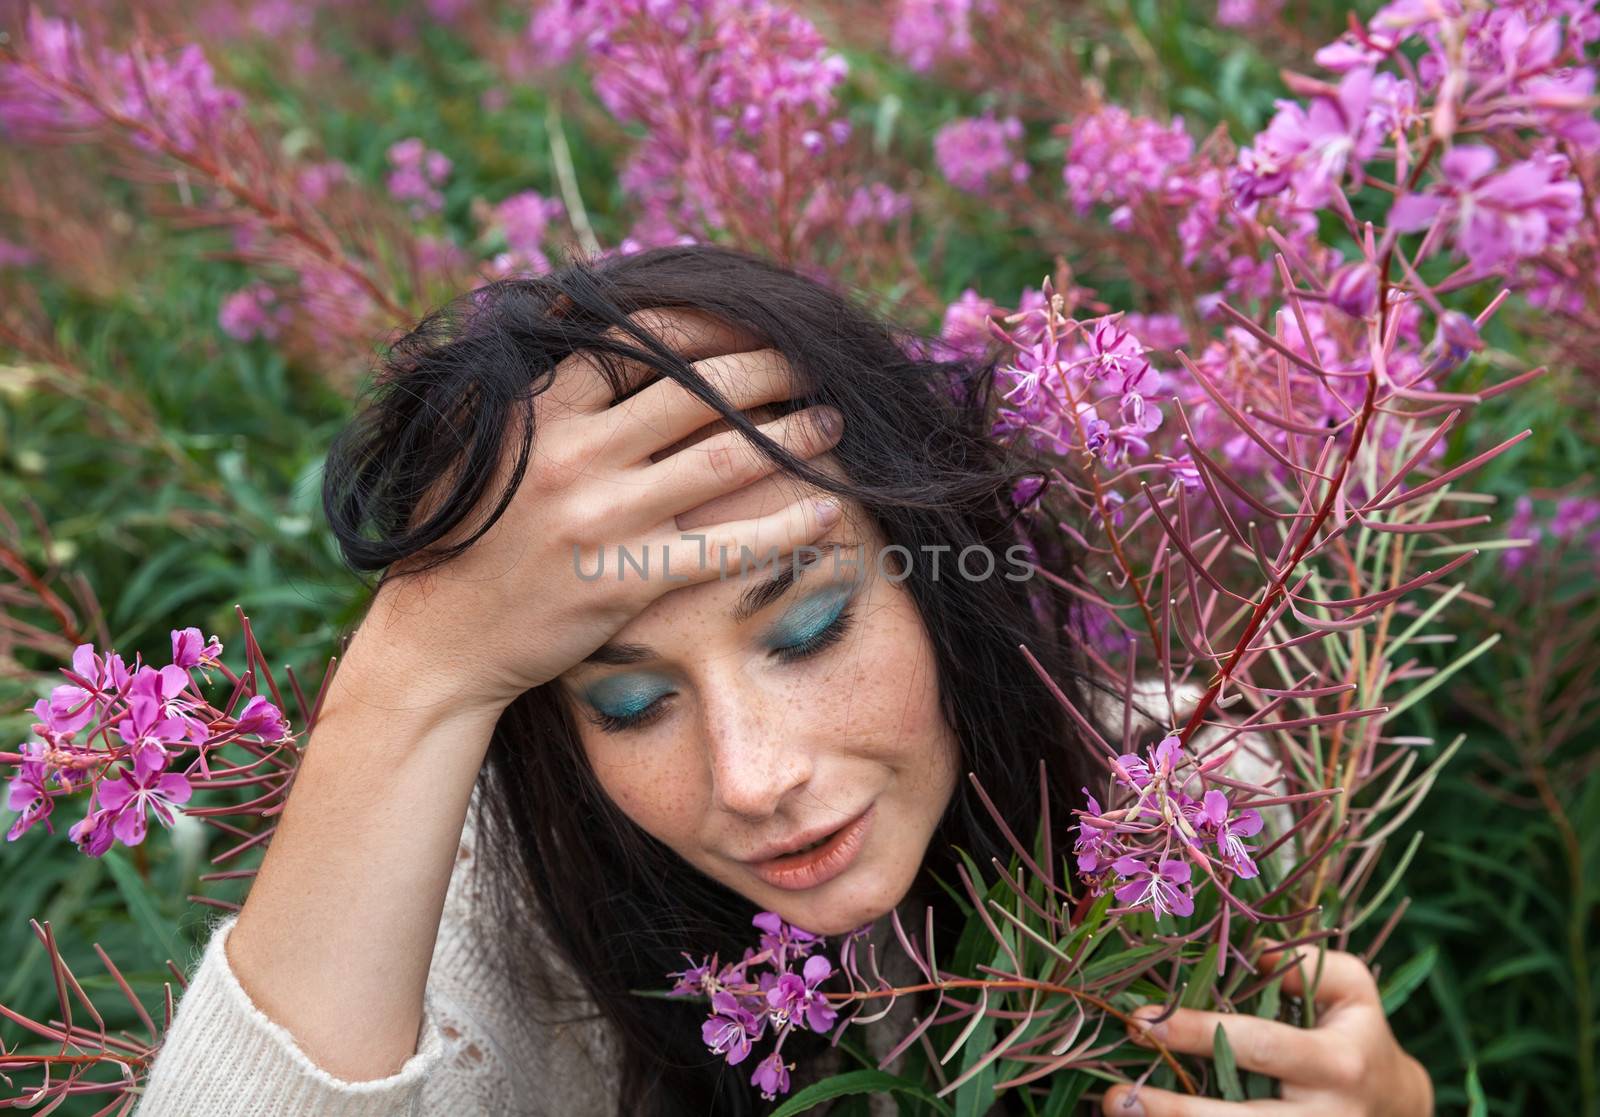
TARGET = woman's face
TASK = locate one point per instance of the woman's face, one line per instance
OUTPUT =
(737, 735)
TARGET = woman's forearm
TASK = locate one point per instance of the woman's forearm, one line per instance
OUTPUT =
(337, 933)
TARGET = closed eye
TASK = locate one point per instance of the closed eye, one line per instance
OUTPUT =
(815, 644)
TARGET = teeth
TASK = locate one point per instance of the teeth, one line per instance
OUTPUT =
(809, 848)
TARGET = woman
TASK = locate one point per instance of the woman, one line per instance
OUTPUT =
(557, 476)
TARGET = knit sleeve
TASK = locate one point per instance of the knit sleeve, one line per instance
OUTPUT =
(223, 1057)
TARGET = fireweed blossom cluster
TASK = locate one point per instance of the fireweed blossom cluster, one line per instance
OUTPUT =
(774, 989)
(1146, 851)
(743, 134)
(977, 152)
(416, 175)
(342, 261)
(121, 732)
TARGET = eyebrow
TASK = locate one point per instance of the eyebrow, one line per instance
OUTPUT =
(751, 602)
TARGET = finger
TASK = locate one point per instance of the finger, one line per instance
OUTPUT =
(1124, 1101)
(581, 382)
(1265, 1046)
(666, 412)
(729, 461)
(1343, 978)
(730, 548)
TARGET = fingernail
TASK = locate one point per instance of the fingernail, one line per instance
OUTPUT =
(1145, 1027)
(827, 511)
(832, 420)
(1129, 1105)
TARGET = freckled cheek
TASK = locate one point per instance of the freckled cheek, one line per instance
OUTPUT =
(660, 796)
(885, 700)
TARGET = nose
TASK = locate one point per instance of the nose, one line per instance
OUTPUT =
(757, 748)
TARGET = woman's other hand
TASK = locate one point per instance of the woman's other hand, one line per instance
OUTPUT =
(1349, 1064)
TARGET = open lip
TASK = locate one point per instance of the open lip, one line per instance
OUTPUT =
(810, 837)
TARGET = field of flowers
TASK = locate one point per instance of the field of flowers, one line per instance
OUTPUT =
(213, 216)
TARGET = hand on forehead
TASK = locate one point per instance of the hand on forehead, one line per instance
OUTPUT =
(758, 498)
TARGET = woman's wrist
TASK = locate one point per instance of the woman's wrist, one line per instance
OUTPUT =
(396, 675)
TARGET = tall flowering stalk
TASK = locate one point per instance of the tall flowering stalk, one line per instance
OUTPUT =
(743, 136)
(350, 267)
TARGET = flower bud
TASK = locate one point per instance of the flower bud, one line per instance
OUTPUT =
(1354, 289)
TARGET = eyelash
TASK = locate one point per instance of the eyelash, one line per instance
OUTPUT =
(613, 723)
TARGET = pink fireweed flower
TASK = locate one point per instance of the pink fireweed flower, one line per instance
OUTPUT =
(1522, 526)
(253, 312)
(785, 941)
(178, 97)
(128, 796)
(93, 833)
(1573, 516)
(147, 730)
(1496, 219)
(966, 324)
(1354, 288)
(1164, 889)
(876, 203)
(732, 1028)
(26, 792)
(1307, 149)
(1456, 339)
(14, 255)
(524, 218)
(1246, 13)
(1162, 761)
(317, 181)
(417, 174)
(1210, 816)
(795, 996)
(928, 31)
(1025, 490)
(67, 710)
(1115, 157)
(191, 649)
(1097, 845)
(772, 1076)
(977, 153)
(263, 719)
(696, 978)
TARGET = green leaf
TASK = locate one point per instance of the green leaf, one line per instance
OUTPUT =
(1477, 1103)
(1227, 1073)
(146, 915)
(1202, 980)
(1398, 989)
(856, 1082)
(1065, 1090)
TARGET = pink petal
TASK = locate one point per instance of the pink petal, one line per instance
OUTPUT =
(1414, 211)
(174, 787)
(113, 794)
(130, 825)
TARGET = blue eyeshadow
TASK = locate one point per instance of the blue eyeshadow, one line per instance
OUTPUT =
(810, 617)
(624, 696)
